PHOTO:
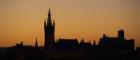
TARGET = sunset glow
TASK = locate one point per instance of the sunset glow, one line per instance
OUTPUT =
(22, 20)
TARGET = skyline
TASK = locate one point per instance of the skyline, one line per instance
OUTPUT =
(25, 20)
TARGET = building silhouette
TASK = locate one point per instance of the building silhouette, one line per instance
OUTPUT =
(49, 30)
(119, 42)
(108, 48)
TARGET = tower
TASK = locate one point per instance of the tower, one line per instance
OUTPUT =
(121, 39)
(121, 34)
(49, 30)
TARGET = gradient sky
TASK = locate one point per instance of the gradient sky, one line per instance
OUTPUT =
(22, 20)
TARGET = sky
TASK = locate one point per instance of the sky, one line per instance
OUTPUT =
(22, 20)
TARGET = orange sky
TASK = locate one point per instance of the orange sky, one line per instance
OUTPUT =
(22, 20)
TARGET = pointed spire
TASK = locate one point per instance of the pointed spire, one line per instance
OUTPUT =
(53, 22)
(45, 25)
(45, 22)
(49, 13)
(49, 22)
(36, 43)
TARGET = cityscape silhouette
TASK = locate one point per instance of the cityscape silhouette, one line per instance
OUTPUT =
(108, 48)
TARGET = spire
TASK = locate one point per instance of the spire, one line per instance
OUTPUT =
(45, 22)
(53, 22)
(45, 25)
(49, 13)
(49, 22)
(36, 44)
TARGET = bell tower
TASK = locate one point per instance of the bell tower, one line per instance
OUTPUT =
(49, 30)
